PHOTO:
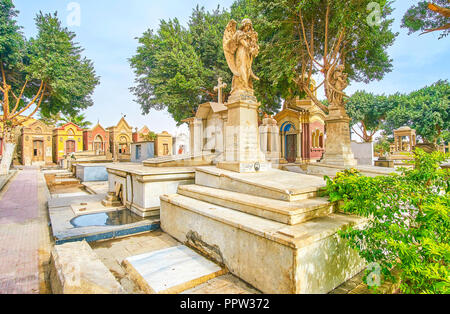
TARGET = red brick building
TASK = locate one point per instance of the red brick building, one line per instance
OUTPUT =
(139, 136)
(96, 139)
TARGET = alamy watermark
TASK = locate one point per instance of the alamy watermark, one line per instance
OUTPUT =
(374, 18)
(374, 277)
(74, 277)
(74, 16)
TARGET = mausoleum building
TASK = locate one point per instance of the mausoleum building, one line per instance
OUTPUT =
(96, 139)
(302, 131)
(163, 144)
(120, 137)
(141, 135)
(67, 139)
(35, 144)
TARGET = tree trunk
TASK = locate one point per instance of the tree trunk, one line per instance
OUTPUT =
(8, 152)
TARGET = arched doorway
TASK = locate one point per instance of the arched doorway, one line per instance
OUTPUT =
(123, 145)
(289, 134)
(70, 147)
(98, 144)
(38, 151)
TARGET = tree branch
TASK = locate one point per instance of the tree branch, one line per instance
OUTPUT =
(353, 128)
(31, 103)
(334, 55)
(313, 52)
(311, 95)
(325, 61)
(3, 74)
(306, 40)
(37, 106)
(20, 97)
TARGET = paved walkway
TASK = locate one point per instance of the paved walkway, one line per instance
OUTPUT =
(23, 231)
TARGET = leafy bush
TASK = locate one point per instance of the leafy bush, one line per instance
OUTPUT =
(408, 221)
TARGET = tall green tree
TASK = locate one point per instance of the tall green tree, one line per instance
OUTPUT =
(303, 40)
(169, 73)
(177, 67)
(427, 17)
(368, 112)
(426, 110)
(46, 73)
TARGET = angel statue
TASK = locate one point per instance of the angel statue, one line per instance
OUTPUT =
(337, 82)
(240, 48)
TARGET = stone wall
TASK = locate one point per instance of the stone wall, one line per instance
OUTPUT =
(76, 269)
(363, 153)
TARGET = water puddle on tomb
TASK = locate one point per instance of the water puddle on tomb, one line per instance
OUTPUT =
(115, 218)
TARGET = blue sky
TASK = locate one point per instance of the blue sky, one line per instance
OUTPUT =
(108, 30)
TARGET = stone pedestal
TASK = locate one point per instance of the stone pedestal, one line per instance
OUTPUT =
(242, 151)
(338, 150)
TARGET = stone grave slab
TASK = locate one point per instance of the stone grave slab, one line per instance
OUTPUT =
(92, 207)
(171, 270)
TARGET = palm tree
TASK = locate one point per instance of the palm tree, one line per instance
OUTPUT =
(51, 120)
(79, 119)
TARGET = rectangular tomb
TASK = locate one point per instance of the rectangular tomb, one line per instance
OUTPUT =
(91, 172)
(272, 229)
(142, 186)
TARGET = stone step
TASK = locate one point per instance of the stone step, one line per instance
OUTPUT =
(66, 181)
(274, 183)
(290, 213)
(64, 175)
(171, 270)
(271, 256)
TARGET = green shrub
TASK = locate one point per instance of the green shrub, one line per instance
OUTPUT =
(408, 221)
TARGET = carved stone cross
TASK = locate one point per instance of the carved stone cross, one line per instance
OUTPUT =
(221, 85)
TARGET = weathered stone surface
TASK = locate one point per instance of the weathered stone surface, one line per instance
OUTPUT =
(363, 153)
(142, 186)
(171, 270)
(274, 184)
(271, 256)
(290, 213)
(242, 152)
(338, 150)
(76, 269)
(92, 172)
(320, 169)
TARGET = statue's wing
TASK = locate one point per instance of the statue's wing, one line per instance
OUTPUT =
(230, 46)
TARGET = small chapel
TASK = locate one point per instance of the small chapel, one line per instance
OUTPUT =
(35, 144)
(67, 139)
(120, 139)
(302, 131)
(96, 139)
(141, 135)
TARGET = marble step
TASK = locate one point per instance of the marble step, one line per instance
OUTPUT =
(271, 256)
(66, 181)
(64, 175)
(290, 213)
(171, 270)
(275, 184)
